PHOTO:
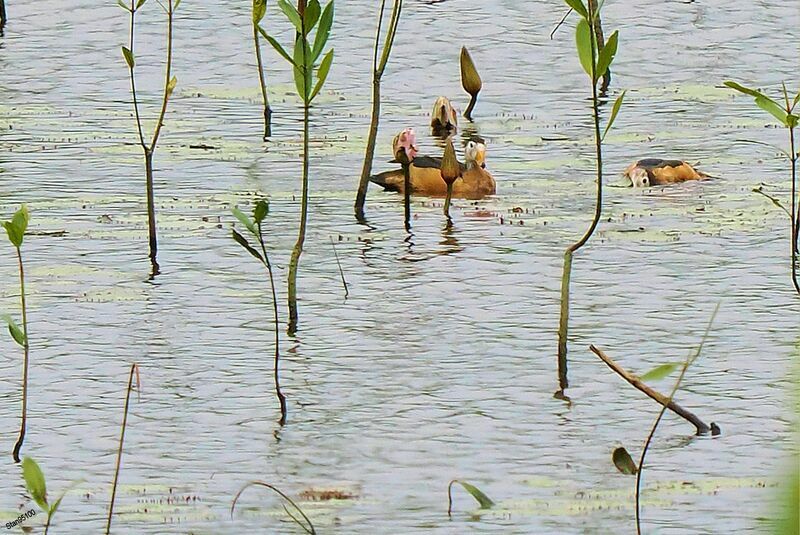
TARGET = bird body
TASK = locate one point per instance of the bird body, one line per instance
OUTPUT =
(426, 178)
(658, 172)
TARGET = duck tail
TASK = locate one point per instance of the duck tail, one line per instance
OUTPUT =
(389, 180)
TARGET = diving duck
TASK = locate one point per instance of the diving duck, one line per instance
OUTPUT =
(426, 179)
(657, 172)
(444, 119)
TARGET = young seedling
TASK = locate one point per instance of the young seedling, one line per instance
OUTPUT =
(304, 61)
(450, 172)
(254, 226)
(594, 63)
(148, 149)
(306, 524)
(786, 115)
(598, 35)
(134, 372)
(483, 500)
(377, 73)
(37, 488)
(259, 10)
(470, 81)
(16, 233)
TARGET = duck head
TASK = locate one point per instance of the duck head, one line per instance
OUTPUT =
(639, 177)
(444, 120)
(475, 153)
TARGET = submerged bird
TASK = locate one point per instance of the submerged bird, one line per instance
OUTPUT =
(426, 178)
(444, 119)
(657, 172)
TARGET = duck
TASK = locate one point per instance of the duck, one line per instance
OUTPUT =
(658, 172)
(444, 119)
(475, 182)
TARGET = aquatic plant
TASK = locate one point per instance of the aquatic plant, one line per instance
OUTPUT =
(2, 15)
(404, 148)
(450, 172)
(169, 7)
(254, 226)
(483, 500)
(377, 73)
(37, 488)
(470, 81)
(15, 228)
(598, 34)
(259, 10)
(304, 61)
(341, 272)
(307, 526)
(785, 114)
(594, 63)
(134, 371)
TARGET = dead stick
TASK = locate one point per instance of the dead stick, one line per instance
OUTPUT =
(702, 428)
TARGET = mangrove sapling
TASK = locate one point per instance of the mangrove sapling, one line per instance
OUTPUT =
(148, 149)
(254, 226)
(134, 371)
(259, 10)
(688, 362)
(37, 488)
(483, 500)
(16, 233)
(450, 171)
(308, 527)
(377, 73)
(470, 81)
(598, 34)
(304, 61)
(788, 118)
(593, 63)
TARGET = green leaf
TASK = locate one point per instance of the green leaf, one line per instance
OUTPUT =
(128, 55)
(324, 30)
(140, 3)
(241, 240)
(583, 41)
(796, 100)
(259, 10)
(659, 372)
(291, 14)
(17, 226)
(614, 111)
(483, 500)
(34, 482)
(175, 5)
(123, 6)
(773, 108)
(244, 220)
(322, 73)
(171, 85)
(301, 81)
(578, 7)
(606, 55)
(311, 15)
(260, 211)
(743, 89)
(792, 120)
(623, 462)
(276, 45)
(16, 333)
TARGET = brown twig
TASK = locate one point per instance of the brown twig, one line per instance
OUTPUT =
(134, 371)
(702, 428)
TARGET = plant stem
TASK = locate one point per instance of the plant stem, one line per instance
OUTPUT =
(447, 202)
(377, 74)
(281, 397)
(25, 360)
(2, 15)
(407, 195)
(301, 236)
(151, 213)
(795, 212)
(689, 361)
(263, 82)
(563, 329)
(134, 369)
(472, 101)
(341, 272)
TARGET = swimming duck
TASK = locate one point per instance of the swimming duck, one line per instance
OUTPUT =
(657, 172)
(426, 179)
(444, 119)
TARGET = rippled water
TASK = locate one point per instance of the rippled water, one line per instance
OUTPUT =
(441, 364)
